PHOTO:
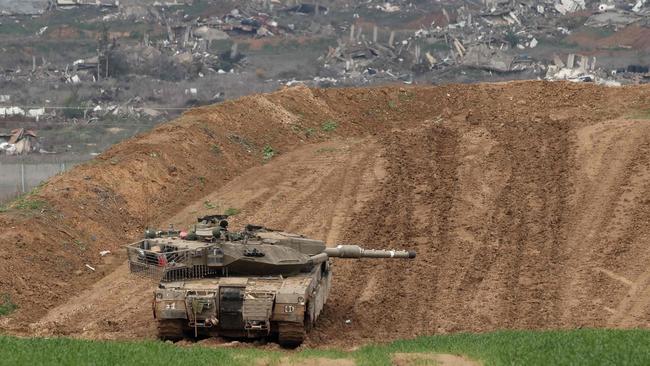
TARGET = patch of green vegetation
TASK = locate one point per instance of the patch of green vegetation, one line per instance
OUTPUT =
(209, 205)
(309, 132)
(268, 153)
(26, 201)
(392, 104)
(79, 245)
(216, 149)
(296, 128)
(231, 211)
(201, 180)
(329, 125)
(7, 306)
(573, 347)
(585, 347)
(12, 28)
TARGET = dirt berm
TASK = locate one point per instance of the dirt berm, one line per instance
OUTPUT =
(528, 204)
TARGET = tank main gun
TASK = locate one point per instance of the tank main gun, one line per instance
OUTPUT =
(355, 251)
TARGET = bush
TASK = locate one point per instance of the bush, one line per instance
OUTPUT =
(6, 305)
(329, 125)
(73, 107)
(231, 211)
(268, 153)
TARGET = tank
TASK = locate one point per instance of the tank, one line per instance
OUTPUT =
(258, 283)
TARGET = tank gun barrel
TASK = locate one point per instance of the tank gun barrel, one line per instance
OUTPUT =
(355, 251)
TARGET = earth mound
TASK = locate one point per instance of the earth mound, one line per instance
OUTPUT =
(528, 204)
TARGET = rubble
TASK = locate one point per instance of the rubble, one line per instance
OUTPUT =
(467, 42)
(100, 3)
(493, 38)
(569, 6)
(18, 142)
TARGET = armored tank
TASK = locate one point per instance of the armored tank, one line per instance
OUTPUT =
(258, 283)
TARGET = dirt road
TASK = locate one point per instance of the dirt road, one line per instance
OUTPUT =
(528, 205)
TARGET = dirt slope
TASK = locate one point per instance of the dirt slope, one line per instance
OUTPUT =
(528, 204)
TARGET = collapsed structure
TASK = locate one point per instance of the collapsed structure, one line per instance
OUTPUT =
(218, 52)
(18, 142)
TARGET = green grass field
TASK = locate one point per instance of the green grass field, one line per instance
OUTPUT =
(575, 347)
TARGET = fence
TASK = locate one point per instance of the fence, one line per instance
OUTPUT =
(17, 177)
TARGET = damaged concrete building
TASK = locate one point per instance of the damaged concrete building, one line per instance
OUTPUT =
(19, 141)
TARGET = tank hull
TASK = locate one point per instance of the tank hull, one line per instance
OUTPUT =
(243, 306)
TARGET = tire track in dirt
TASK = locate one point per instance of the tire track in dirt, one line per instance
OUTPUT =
(609, 221)
(372, 294)
(527, 203)
(524, 265)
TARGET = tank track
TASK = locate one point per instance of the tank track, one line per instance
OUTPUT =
(291, 335)
(170, 329)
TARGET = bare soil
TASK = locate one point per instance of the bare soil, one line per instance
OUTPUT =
(437, 359)
(528, 204)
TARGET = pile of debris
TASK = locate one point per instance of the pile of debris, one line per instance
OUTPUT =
(496, 37)
(18, 142)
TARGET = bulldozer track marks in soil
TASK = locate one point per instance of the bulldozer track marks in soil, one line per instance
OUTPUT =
(527, 203)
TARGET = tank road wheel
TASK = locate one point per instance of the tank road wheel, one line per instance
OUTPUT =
(291, 335)
(170, 329)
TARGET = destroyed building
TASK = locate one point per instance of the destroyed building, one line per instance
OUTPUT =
(18, 142)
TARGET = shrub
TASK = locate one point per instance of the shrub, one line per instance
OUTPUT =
(6, 305)
(231, 211)
(268, 153)
(329, 125)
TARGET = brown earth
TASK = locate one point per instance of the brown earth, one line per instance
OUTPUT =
(528, 204)
(437, 359)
